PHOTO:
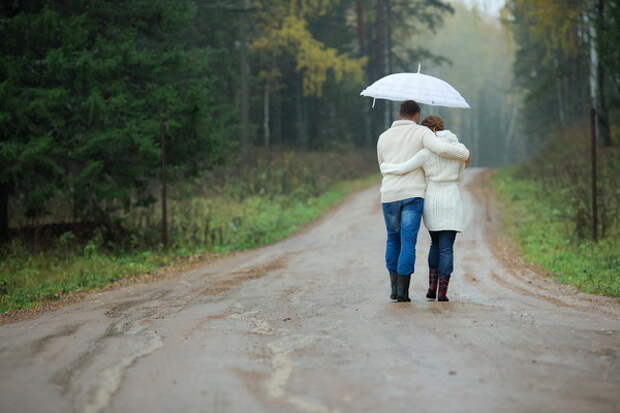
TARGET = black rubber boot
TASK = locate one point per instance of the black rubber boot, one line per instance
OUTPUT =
(443, 288)
(393, 277)
(402, 288)
(433, 281)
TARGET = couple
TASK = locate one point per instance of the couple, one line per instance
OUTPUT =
(421, 166)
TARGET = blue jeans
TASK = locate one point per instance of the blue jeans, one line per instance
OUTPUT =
(441, 254)
(402, 221)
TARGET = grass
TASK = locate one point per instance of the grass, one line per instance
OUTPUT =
(258, 206)
(537, 219)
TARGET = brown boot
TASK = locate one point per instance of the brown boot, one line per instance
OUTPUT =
(432, 284)
(443, 288)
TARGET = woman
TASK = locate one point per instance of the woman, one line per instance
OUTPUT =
(443, 206)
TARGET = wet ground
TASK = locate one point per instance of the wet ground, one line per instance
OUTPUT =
(306, 325)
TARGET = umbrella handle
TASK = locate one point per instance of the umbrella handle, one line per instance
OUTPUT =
(373, 102)
(419, 67)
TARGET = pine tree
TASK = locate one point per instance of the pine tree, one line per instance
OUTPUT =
(88, 89)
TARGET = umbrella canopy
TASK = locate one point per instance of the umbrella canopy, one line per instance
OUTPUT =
(416, 86)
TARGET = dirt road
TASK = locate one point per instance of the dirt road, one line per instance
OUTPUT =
(306, 325)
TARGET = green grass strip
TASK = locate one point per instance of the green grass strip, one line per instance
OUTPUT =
(27, 280)
(537, 221)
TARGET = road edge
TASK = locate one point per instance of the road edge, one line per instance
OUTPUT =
(174, 270)
(525, 276)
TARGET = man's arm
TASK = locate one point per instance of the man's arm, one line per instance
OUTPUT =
(445, 149)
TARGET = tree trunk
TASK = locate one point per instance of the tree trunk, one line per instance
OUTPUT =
(164, 189)
(245, 88)
(313, 121)
(478, 124)
(4, 213)
(380, 57)
(597, 77)
(302, 138)
(362, 35)
(389, 107)
(368, 127)
(604, 133)
(560, 95)
(602, 116)
(380, 42)
(360, 10)
(278, 132)
(266, 118)
(509, 151)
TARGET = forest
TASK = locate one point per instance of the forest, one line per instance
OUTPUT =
(135, 132)
(201, 210)
(98, 95)
(563, 200)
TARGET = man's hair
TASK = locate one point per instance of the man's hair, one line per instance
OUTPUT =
(409, 109)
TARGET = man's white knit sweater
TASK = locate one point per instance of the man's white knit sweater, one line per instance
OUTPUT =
(400, 143)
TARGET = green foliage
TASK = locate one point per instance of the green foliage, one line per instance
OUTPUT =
(549, 199)
(610, 50)
(289, 33)
(550, 66)
(216, 212)
(538, 218)
(88, 88)
(564, 170)
(219, 208)
(554, 63)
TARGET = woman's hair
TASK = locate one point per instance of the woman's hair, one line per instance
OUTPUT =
(434, 123)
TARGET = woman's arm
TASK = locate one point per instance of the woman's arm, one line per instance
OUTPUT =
(405, 167)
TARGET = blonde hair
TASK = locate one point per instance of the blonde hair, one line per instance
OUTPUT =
(434, 123)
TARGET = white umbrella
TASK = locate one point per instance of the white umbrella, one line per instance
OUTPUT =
(416, 86)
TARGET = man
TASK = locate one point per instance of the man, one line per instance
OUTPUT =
(402, 196)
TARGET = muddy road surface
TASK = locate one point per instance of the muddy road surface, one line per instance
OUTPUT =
(306, 325)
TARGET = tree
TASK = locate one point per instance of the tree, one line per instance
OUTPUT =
(596, 23)
(289, 33)
(89, 88)
(393, 29)
(561, 41)
(609, 36)
(284, 32)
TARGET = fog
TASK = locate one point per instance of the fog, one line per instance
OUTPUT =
(480, 53)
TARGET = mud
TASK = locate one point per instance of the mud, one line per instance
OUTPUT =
(305, 325)
(40, 344)
(244, 275)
